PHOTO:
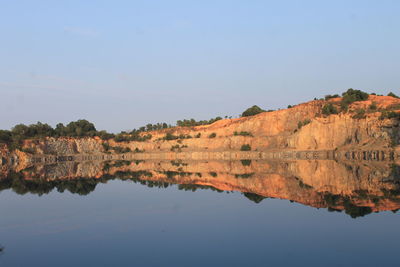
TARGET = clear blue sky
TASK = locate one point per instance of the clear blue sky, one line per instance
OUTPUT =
(122, 64)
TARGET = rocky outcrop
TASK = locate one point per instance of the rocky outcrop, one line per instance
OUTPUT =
(64, 146)
(279, 130)
(300, 128)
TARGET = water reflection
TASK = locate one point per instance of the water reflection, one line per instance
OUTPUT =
(357, 188)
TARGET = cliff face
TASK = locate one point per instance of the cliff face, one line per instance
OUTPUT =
(280, 130)
(277, 130)
(341, 131)
(64, 146)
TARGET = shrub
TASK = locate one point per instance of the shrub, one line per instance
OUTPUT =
(212, 135)
(246, 162)
(393, 95)
(327, 97)
(245, 147)
(213, 174)
(360, 114)
(389, 115)
(344, 107)
(328, 109)
(244, 175)
(106, 147)
(105, 136)
(170, 136)
(352, 95)
(254, 110)
(373, 106)
(184, 136)
(121, 150)
(242, 133)
(178, 147)
(5, 136)
(193, 122)
(303, 123)
(393, 107)
(121, 138)
(137, 137)
(198, 135)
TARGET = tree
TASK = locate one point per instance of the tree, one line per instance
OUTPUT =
(393, 95)
(254, 197)
(254, 110)
(352, 95)
(327, 97)
(80, 128)
(5, 136)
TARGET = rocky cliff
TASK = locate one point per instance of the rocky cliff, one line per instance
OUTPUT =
(302, 127)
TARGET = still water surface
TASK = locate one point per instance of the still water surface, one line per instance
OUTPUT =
(122, 222)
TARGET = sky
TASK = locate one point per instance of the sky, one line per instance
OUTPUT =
(123, 64)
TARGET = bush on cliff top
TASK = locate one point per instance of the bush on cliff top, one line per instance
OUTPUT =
(79, 128)
(329, 109)
(352, 95)
(193, 122)
(393, 95)
(5, 136)
(254, 110)
(327, 97)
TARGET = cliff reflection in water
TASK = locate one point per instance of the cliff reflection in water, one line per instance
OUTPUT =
(357, 189)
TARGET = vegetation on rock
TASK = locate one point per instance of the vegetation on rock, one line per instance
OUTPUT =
(254, 110)
(212, 135)
(393, 95)
(245, 147)
(193, 122)
(242, 133)
(328, 109)
(303, 123)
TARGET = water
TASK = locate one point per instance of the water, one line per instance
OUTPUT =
(166, 214)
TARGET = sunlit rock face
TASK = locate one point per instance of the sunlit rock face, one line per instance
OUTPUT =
(281, 130)
(357, 188)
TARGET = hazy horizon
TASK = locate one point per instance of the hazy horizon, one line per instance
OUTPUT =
(123, 64)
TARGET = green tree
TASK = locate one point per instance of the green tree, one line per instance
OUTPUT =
(327, 97)
(393, 95)
(352, 95)
(5, 136)
(254, 110)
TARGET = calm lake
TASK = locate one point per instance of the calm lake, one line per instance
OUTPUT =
(176, 213)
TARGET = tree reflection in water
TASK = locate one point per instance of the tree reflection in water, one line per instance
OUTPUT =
(356, 189)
